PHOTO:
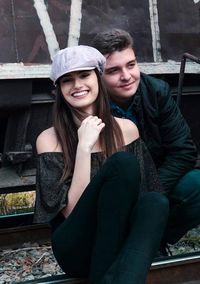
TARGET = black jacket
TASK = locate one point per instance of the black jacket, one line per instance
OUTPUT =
(164, 130)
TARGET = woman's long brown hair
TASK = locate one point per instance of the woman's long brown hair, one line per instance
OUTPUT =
(111, 137)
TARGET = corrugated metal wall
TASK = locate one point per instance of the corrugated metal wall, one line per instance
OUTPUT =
(32, 31)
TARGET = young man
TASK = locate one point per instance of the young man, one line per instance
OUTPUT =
(148, 102)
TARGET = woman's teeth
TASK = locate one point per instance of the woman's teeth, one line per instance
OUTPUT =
(79, 94)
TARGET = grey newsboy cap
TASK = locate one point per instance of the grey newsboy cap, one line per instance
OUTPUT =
(76, 58)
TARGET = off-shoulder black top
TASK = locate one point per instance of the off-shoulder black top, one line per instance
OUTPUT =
(51, 196)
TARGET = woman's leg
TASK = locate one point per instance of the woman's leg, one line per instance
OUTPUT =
(148, 222)
(74, 239)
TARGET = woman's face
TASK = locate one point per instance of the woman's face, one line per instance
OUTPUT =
(80, 89)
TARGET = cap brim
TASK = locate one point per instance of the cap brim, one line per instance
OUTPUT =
(74, 70)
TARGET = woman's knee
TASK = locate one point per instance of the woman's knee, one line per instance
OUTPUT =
(157, 201)
(121, 178)
(126, 165)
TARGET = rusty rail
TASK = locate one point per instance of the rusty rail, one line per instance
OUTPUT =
(182, 72)
(176, 270)
(179, 269)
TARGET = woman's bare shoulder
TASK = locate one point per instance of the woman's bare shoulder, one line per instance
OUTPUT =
(129, 129)
(47, 141)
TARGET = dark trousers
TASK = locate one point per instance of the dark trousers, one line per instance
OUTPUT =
(113, 233)
(184, 207)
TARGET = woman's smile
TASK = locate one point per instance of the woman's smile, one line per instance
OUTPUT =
(80, 89)
(80, 94)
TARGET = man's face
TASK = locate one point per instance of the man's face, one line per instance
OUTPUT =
(122, 75)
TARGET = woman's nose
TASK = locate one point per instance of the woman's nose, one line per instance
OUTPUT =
(77, 83)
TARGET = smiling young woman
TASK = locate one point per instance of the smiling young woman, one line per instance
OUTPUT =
(97, 186)
(80, 89)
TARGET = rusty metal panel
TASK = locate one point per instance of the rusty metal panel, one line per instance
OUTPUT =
(132, 16)
(23, 39)
(19, 31)
(179, 23)
(32, 31)
(22, 36)
(59, 13)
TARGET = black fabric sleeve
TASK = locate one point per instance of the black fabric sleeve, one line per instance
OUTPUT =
(51, 194)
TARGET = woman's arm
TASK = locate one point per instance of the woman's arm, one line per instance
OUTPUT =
(88, 135)
(80, 179)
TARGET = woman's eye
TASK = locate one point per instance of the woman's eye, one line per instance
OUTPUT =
(66, 80)
(85, 74)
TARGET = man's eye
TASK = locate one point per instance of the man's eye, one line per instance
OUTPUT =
(111, 71)
(131, 65)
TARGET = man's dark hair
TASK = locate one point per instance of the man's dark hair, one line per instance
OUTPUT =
(112, 40)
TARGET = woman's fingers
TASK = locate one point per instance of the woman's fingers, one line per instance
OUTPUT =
(89, 131)
(93, 120)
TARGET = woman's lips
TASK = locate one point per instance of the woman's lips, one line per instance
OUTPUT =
(79, 94)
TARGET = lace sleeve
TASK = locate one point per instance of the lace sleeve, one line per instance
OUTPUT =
(51, 195)
(149, 176)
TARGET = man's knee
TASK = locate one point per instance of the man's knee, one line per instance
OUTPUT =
(188, 187)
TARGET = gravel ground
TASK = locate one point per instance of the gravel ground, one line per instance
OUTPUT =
(32, 261)
(189, 243)
(27, 263)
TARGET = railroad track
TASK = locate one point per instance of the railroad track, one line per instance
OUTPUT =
(179, 269)
(176, 270)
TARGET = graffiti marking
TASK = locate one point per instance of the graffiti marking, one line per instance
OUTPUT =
(155, 31)
(47, 27)
(75, 22)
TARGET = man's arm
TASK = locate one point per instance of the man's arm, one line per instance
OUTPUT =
(180, 151)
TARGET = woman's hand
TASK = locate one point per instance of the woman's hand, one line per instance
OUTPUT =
(88, 132)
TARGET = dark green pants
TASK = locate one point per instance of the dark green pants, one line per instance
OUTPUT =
(185, 207)
(113, 233)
